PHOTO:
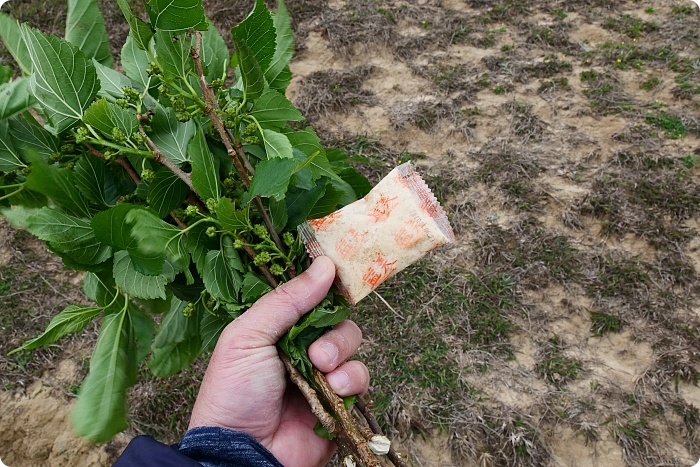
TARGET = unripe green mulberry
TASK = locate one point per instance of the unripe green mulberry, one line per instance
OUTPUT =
(81, 135)
(123, 103)
(238, 244)
(211, 205)
(131, 93)
(118, 135)
(148, 175)
(163, 90)
(288, 239)
(188, 310)
(251, 140)
(56, 157)
(153, 69)
(183, 117)
(251, 129)
(178, 103)
(262, 258)
(68, 148)
(217, 84)
(230, 124)
(261, 231)
(276, 270)
(211, 232)
(191, 211)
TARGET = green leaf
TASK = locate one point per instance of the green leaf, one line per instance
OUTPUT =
(30, 138)
(277, 146)
(101, 409)
(306, 140)
(171, 136)
(85, 28)
(135, 62)
(177, 341)
(301, 202)
(277, 74)
(253, 288)
(112, 83)
(258, 32)
(58, 185)
(105, 116)
(139, 285)
(9, 156)
(220, 280)
(232, 257)
(231, 219)
(12, 38)
(69, 235)
(215, 54)
(100, 288)
(143, 331)
(273, 110)
(15, 98)
(64, 79)
(210, 329)
(327, 204)
(72, 319)
(359, 183)
(6, 73)
(140, 32)
(251, 73)
(271, 179)
(173, 54)
(278, 214)
(17, 216)
(324, 315)
(95, 181)
(177, 15)
(166, 192)
(205, 167)
(122, 227)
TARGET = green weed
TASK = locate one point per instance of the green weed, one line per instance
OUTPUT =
(556, 368)
(603, 323)
(650, 83)
(672, 125)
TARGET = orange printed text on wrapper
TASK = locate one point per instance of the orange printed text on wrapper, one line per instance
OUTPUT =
(377, 272)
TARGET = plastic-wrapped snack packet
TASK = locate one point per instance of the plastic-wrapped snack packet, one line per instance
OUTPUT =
(372, 239)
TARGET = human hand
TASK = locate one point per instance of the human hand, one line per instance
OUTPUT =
(245, 387)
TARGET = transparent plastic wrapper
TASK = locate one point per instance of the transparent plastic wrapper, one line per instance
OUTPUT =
(372, 239)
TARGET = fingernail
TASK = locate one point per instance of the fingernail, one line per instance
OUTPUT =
(338, 380)
(318, 268)
(331, 351)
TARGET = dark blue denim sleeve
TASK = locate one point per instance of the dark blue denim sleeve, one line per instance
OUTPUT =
(203, 446)
(220, 447)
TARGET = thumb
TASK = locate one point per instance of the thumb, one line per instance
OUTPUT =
(272, 316)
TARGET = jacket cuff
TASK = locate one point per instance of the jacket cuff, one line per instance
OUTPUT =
(222, 447)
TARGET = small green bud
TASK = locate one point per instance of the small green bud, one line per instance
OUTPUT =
(211, 232)
(261, 231)
(124, 199)
(230, 124)
(131, 93)
(191, 211)
(251, 129)
(153, 69)
(26, 171)
(118, 135)
(139, 138)
(148, 175)
(179, 213)
(238, 244)
(217, 84)
(230, 112)
(69, 165)
(188, 310)
(123, 103)
(109, 155)
(251, 140)
(211, 205)
(163, 90)
(262, 258)
(178, 103)
(276, 270)
(81, 135)
(288, 239)
(211, 302)
(183, 117)
(56, 157)
(229, 184)
(68, 148)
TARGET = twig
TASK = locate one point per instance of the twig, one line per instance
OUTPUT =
(349, 424)
(398, 315)
(235, 153)
(310, 395)
(160, 158)
(374, 425)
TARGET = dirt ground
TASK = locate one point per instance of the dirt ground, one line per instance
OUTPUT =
(563, 326)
